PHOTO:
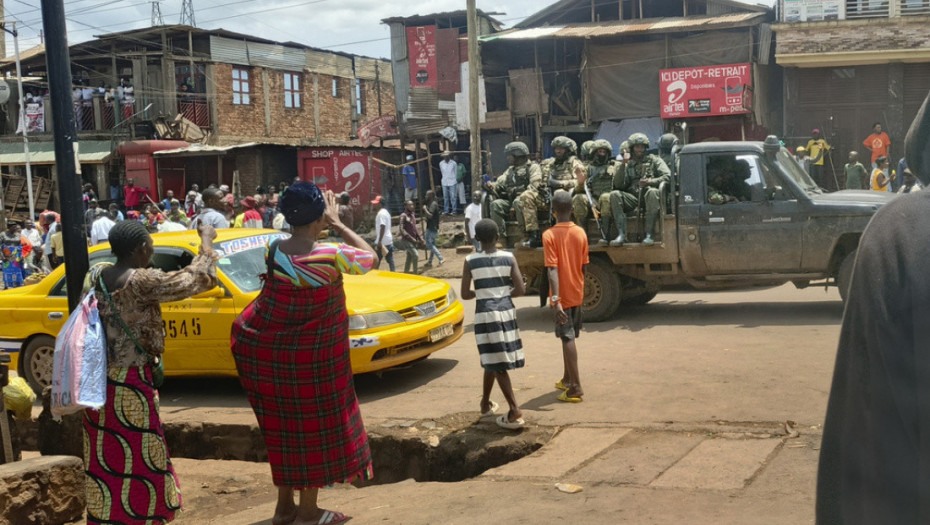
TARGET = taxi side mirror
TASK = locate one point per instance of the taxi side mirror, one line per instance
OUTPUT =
(214, 293)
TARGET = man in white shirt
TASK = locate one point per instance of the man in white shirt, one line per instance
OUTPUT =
(100, 231)
(384, 241)
(472, 216)
(449, 169)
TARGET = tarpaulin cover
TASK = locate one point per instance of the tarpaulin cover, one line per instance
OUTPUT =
(616, 132)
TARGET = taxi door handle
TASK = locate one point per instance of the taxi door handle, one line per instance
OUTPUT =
(55, 316)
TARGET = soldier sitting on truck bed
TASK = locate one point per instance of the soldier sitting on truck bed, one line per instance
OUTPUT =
(561, 171)
(668, 151)
(597, 185)
(637, 188)
(517, 192)
(726, 180)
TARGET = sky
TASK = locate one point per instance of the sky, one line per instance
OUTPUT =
(350, 26)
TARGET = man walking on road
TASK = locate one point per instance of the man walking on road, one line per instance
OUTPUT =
(431, 212)
(410, 181)
(384, 240)
(565, 249)
(449, 170)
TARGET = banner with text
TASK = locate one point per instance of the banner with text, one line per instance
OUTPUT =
(706, 91)
(814, 10)
(421, 47)
(341, 170)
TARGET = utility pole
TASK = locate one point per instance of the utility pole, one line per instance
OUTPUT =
(474, 67)
(157, 19)
(22, 117)
(58, 63)
(2, 41)
(187, 13)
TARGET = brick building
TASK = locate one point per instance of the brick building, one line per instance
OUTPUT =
(849, 64)
(256, 100)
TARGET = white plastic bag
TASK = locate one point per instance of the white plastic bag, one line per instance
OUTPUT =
(79, 376)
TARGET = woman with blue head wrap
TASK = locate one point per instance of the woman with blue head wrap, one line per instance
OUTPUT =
(291, 347)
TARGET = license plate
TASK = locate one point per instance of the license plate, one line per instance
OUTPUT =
(442, 332)
(427, 308)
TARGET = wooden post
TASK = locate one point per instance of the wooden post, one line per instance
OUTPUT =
(429, 162)
(474, 119)
(416, 167)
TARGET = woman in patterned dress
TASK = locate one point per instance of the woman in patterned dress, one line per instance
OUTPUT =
(129, 477)
(291, 347)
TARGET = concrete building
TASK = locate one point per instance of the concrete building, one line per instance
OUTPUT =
(850, 64)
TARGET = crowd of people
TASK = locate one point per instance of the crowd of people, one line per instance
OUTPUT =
(879, 175)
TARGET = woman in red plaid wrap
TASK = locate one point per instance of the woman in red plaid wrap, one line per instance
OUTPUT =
(291, 347)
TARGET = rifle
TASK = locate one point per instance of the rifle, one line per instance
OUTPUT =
(594, 209)
(640, 204)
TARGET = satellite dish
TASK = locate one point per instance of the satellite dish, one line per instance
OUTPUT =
(4, 92)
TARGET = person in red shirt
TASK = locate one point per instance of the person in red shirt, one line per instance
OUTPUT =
(565, 248)
(878, 143)
(133, 194)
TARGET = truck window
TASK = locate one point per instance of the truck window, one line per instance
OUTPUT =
(729, 178)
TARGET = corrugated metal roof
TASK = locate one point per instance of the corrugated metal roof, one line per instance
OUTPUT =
(554, 11)
(424, 104)
(612, 28)
(89, 152)
(197, 150)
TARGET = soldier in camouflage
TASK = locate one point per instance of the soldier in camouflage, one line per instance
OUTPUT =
(561, 171)
(584, 155)
(668, 151)
(517, 192)
(637, 185)
(598, 180)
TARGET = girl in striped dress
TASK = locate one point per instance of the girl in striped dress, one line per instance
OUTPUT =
(497, 279)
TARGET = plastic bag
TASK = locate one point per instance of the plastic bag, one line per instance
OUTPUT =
(79, 375)
(19, 398)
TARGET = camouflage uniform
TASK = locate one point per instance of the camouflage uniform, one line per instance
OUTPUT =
(600, 177)
(668, 146)
(627, 194)
(518, 189)
(560, 174)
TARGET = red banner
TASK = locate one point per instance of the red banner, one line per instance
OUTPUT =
(421, 47)
(383, 126)
(341, 170)
(706, 91)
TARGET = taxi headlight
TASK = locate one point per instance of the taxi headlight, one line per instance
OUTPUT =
(451, 297)
(375, 320)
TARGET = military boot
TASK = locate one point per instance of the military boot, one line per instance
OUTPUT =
(620, 220)
(650, 231)
(535, 240)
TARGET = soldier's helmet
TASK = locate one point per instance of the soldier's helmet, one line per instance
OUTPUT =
(517, 149)
(587, 148)
(667, 142)
(564, 142)
(639, 138)
(602, 144)
(625, 145)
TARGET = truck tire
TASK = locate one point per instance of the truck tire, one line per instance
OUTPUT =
(641, 299)
(601, 292)
(37, 362)
(844, 274)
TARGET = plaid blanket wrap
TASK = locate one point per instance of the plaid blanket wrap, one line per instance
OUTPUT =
(291, 347)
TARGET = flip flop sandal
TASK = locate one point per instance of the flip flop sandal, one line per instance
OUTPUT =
(491, 411)
(504, 422)
(332, 518)
(560, 385)
(564, 397)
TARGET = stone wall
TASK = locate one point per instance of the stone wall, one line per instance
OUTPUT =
(853, 35)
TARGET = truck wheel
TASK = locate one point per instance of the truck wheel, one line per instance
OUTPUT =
(642, 299)
(601, 292)
(37, 362)
(844, 274)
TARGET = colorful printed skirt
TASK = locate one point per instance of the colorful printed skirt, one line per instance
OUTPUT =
(129, 476)
(291, 347)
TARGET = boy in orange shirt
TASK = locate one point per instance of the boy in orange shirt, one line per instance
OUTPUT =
(565, 247)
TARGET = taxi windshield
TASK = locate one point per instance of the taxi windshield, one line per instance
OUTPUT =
(243, 260)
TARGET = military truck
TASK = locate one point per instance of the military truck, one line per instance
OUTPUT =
(784, 229)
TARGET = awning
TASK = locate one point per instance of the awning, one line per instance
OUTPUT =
(201, 150)
(89, 152)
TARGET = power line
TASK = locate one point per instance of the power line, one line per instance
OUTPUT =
(187, 13)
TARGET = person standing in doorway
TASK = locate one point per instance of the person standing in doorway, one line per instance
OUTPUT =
(565, 251)
(384, 240)
(449, 170)
(817, 149)
(410, 181)
(431, 212)
(878, 143)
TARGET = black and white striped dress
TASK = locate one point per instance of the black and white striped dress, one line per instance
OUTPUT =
(496, 330)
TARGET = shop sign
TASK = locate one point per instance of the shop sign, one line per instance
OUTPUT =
(705, 91)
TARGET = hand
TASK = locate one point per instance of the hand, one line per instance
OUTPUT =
(644, 183)
(559, 313)
(582, 177)
(331, 215)
(207, 233)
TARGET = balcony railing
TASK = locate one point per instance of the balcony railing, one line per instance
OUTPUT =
(794, 11)
(195, 109)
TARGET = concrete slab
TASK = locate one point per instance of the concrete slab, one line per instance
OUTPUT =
(569, 449)
(638, 458)
(718, 464)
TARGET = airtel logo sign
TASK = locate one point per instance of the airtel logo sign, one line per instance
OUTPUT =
(676, 90)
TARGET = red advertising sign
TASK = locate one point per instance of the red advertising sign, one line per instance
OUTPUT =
(421, 47)
(383, 126)
(706, 91)
(341, 170)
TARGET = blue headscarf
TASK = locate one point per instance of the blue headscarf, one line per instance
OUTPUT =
(302, 203)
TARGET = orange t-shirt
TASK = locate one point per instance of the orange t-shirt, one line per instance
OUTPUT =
(565, 246)
(878, 144)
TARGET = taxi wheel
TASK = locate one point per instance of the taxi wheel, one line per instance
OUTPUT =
(37, 362)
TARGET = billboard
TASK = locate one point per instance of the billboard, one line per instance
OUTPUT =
(421, 48)
(813, 10)
(341, 170)
(705, 91)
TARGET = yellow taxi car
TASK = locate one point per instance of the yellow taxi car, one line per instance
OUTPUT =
(393, 318)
